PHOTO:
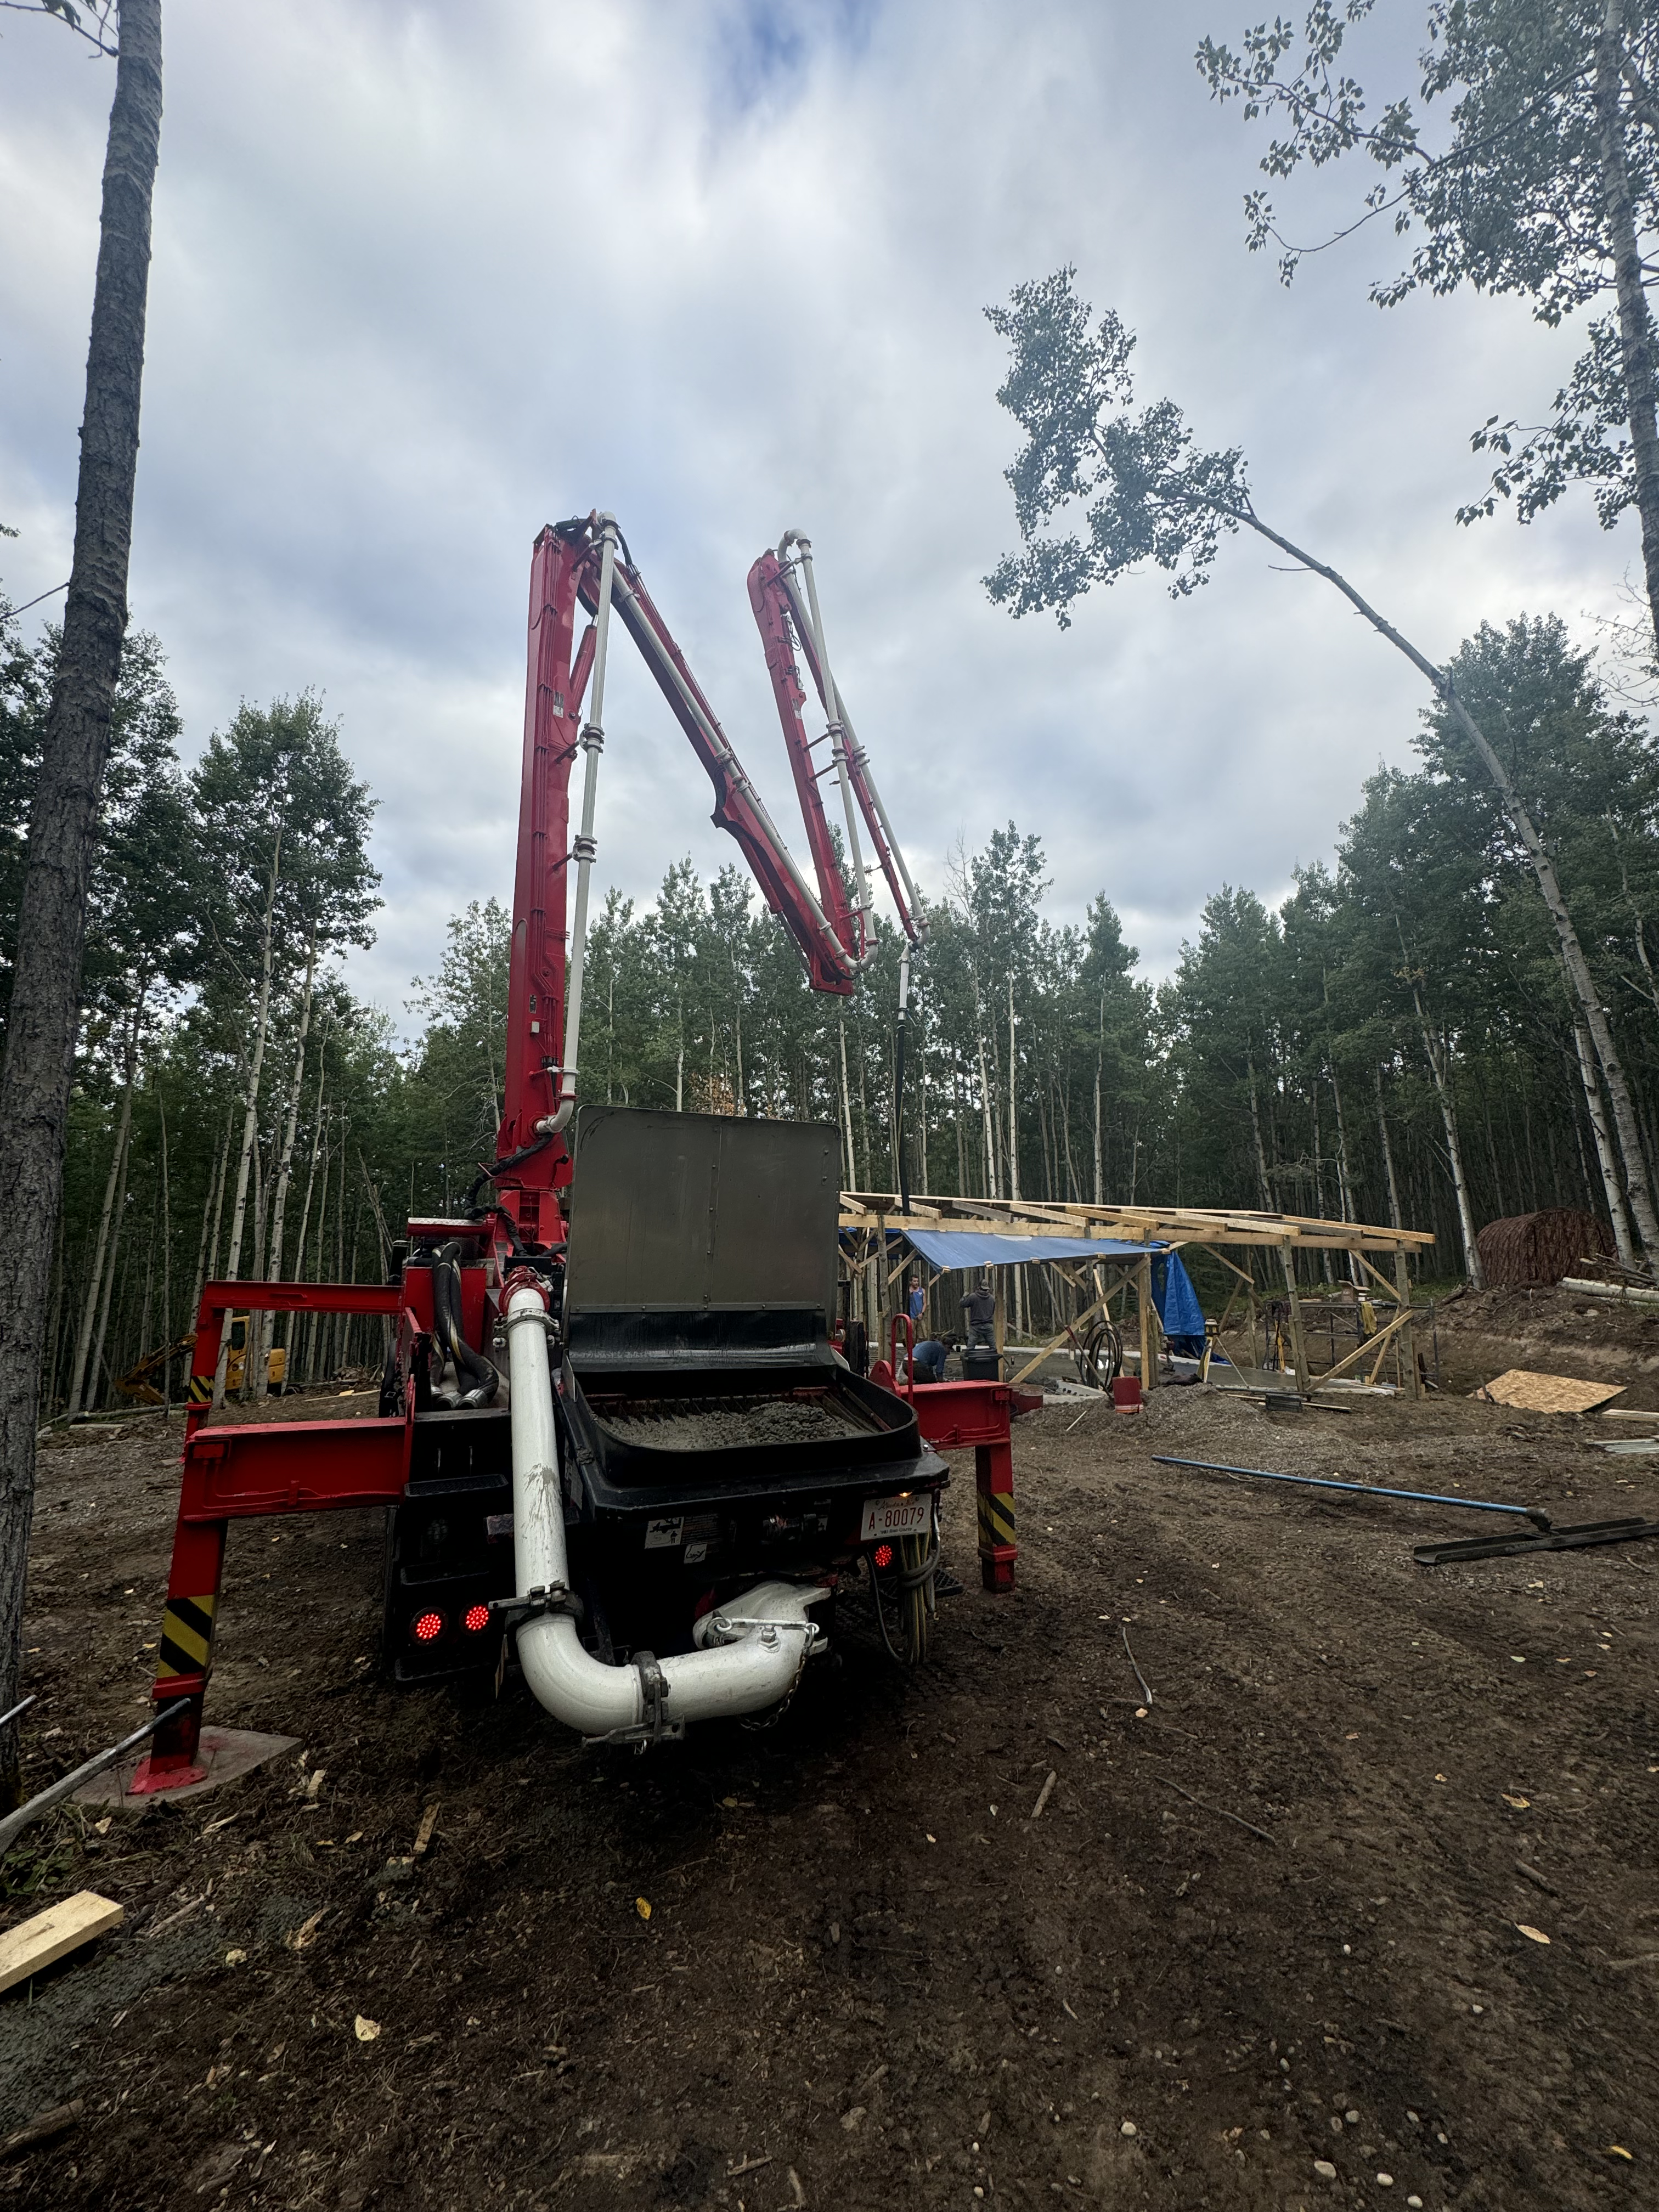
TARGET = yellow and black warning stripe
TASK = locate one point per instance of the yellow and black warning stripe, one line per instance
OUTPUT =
(201, 1389)
(996, 1518)
(186, 1636)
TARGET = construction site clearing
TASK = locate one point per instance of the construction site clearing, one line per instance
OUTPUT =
(1232, 1859)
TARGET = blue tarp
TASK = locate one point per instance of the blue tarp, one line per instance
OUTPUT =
(963, 1248)
(1178, 1308)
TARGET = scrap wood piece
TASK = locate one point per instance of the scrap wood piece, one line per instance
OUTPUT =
(44, 2128)
(1547, 1394)
(35, 1944)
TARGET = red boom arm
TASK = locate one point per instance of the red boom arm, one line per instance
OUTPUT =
(533, 1163)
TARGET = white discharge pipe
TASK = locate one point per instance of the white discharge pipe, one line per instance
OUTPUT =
(835, 727)
(753, 1650)
(585, 846)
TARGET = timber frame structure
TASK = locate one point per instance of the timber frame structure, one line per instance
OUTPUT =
(870, 1219)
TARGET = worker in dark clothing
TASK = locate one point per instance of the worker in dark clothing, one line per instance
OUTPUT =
(980, 1307)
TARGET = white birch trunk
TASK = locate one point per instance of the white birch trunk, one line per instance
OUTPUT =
(249, 1120)
(1394, 1215)
(1434, 1053)
(1605, 1158)
(284, 1167)
(100, 1253)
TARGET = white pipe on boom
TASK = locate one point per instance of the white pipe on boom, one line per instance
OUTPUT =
(585, 845)
(753, 1650)
(835, 727)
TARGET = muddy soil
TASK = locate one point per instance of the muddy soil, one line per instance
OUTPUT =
(1274, 1935)
(1563, 1333)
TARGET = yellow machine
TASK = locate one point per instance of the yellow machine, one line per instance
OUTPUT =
(137, 1383)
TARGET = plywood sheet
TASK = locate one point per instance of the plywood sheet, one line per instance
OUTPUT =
(34, 1944)
(1547, 1394)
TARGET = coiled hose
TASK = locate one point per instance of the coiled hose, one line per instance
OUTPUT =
(918, 1561)
(1098, 1354)
(446, 1315)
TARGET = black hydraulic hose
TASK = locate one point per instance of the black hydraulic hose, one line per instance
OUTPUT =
(446, 1313)
(470, 1205)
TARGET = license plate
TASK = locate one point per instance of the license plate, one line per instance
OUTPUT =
(886, 1519)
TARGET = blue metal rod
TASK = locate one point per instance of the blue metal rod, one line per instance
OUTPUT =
(1362, 1489)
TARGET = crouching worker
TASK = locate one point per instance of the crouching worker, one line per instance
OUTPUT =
(927, 1360)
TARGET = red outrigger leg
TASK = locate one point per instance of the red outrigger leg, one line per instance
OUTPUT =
(242, 1470)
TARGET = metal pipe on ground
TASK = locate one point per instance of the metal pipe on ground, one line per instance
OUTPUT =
(1359, 1489)
(14, 1824)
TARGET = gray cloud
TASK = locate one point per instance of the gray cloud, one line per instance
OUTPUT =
(427, 277)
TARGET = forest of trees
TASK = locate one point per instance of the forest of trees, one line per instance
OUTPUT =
(1394, 1043)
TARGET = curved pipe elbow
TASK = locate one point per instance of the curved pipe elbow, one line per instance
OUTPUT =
(574, 1686)
(752, 1649)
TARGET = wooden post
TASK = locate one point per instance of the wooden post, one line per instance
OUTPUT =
(1144, 1301)
(1407, 1342)
(1298, 1335)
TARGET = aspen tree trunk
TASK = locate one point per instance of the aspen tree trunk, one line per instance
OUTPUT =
(1636, 336)
(45, 999)
(285, 1166)
(258, 1206)
(985, 1104)
(922, 1056)
(847, 1112)
(91, 1398)
(166, 1255)
(1344, 1175)
(1260, 1151)
(1434, 1053)
(150, 1285)
(1013, 1124)
(207, 1256)
(249, 1120)
(1394, 1215)
(55, 1340)
(1606, 1157)
(304, 1210)
(1100, 1157)
(102, 1251)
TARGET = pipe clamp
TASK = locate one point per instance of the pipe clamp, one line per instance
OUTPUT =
(513, 1612)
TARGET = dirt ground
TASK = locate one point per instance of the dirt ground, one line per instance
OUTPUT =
(1277, 1909)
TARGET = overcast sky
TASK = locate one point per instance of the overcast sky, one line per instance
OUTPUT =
(427, 278)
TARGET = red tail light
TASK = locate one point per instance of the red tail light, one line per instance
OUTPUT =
(428, 1627)
(884, 1555)
(476, 1619)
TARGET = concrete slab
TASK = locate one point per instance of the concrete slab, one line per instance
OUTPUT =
(225, 1752)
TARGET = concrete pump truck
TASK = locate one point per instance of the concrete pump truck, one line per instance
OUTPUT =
(613, 1428)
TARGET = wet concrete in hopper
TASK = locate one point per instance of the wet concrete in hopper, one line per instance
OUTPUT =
(728, 1427)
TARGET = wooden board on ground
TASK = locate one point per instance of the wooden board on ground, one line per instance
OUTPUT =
(35, 1945)
(1547, 1394)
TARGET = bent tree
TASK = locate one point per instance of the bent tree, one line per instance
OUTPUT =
(1148, 493)
(41, 1033)
(1542, 181)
